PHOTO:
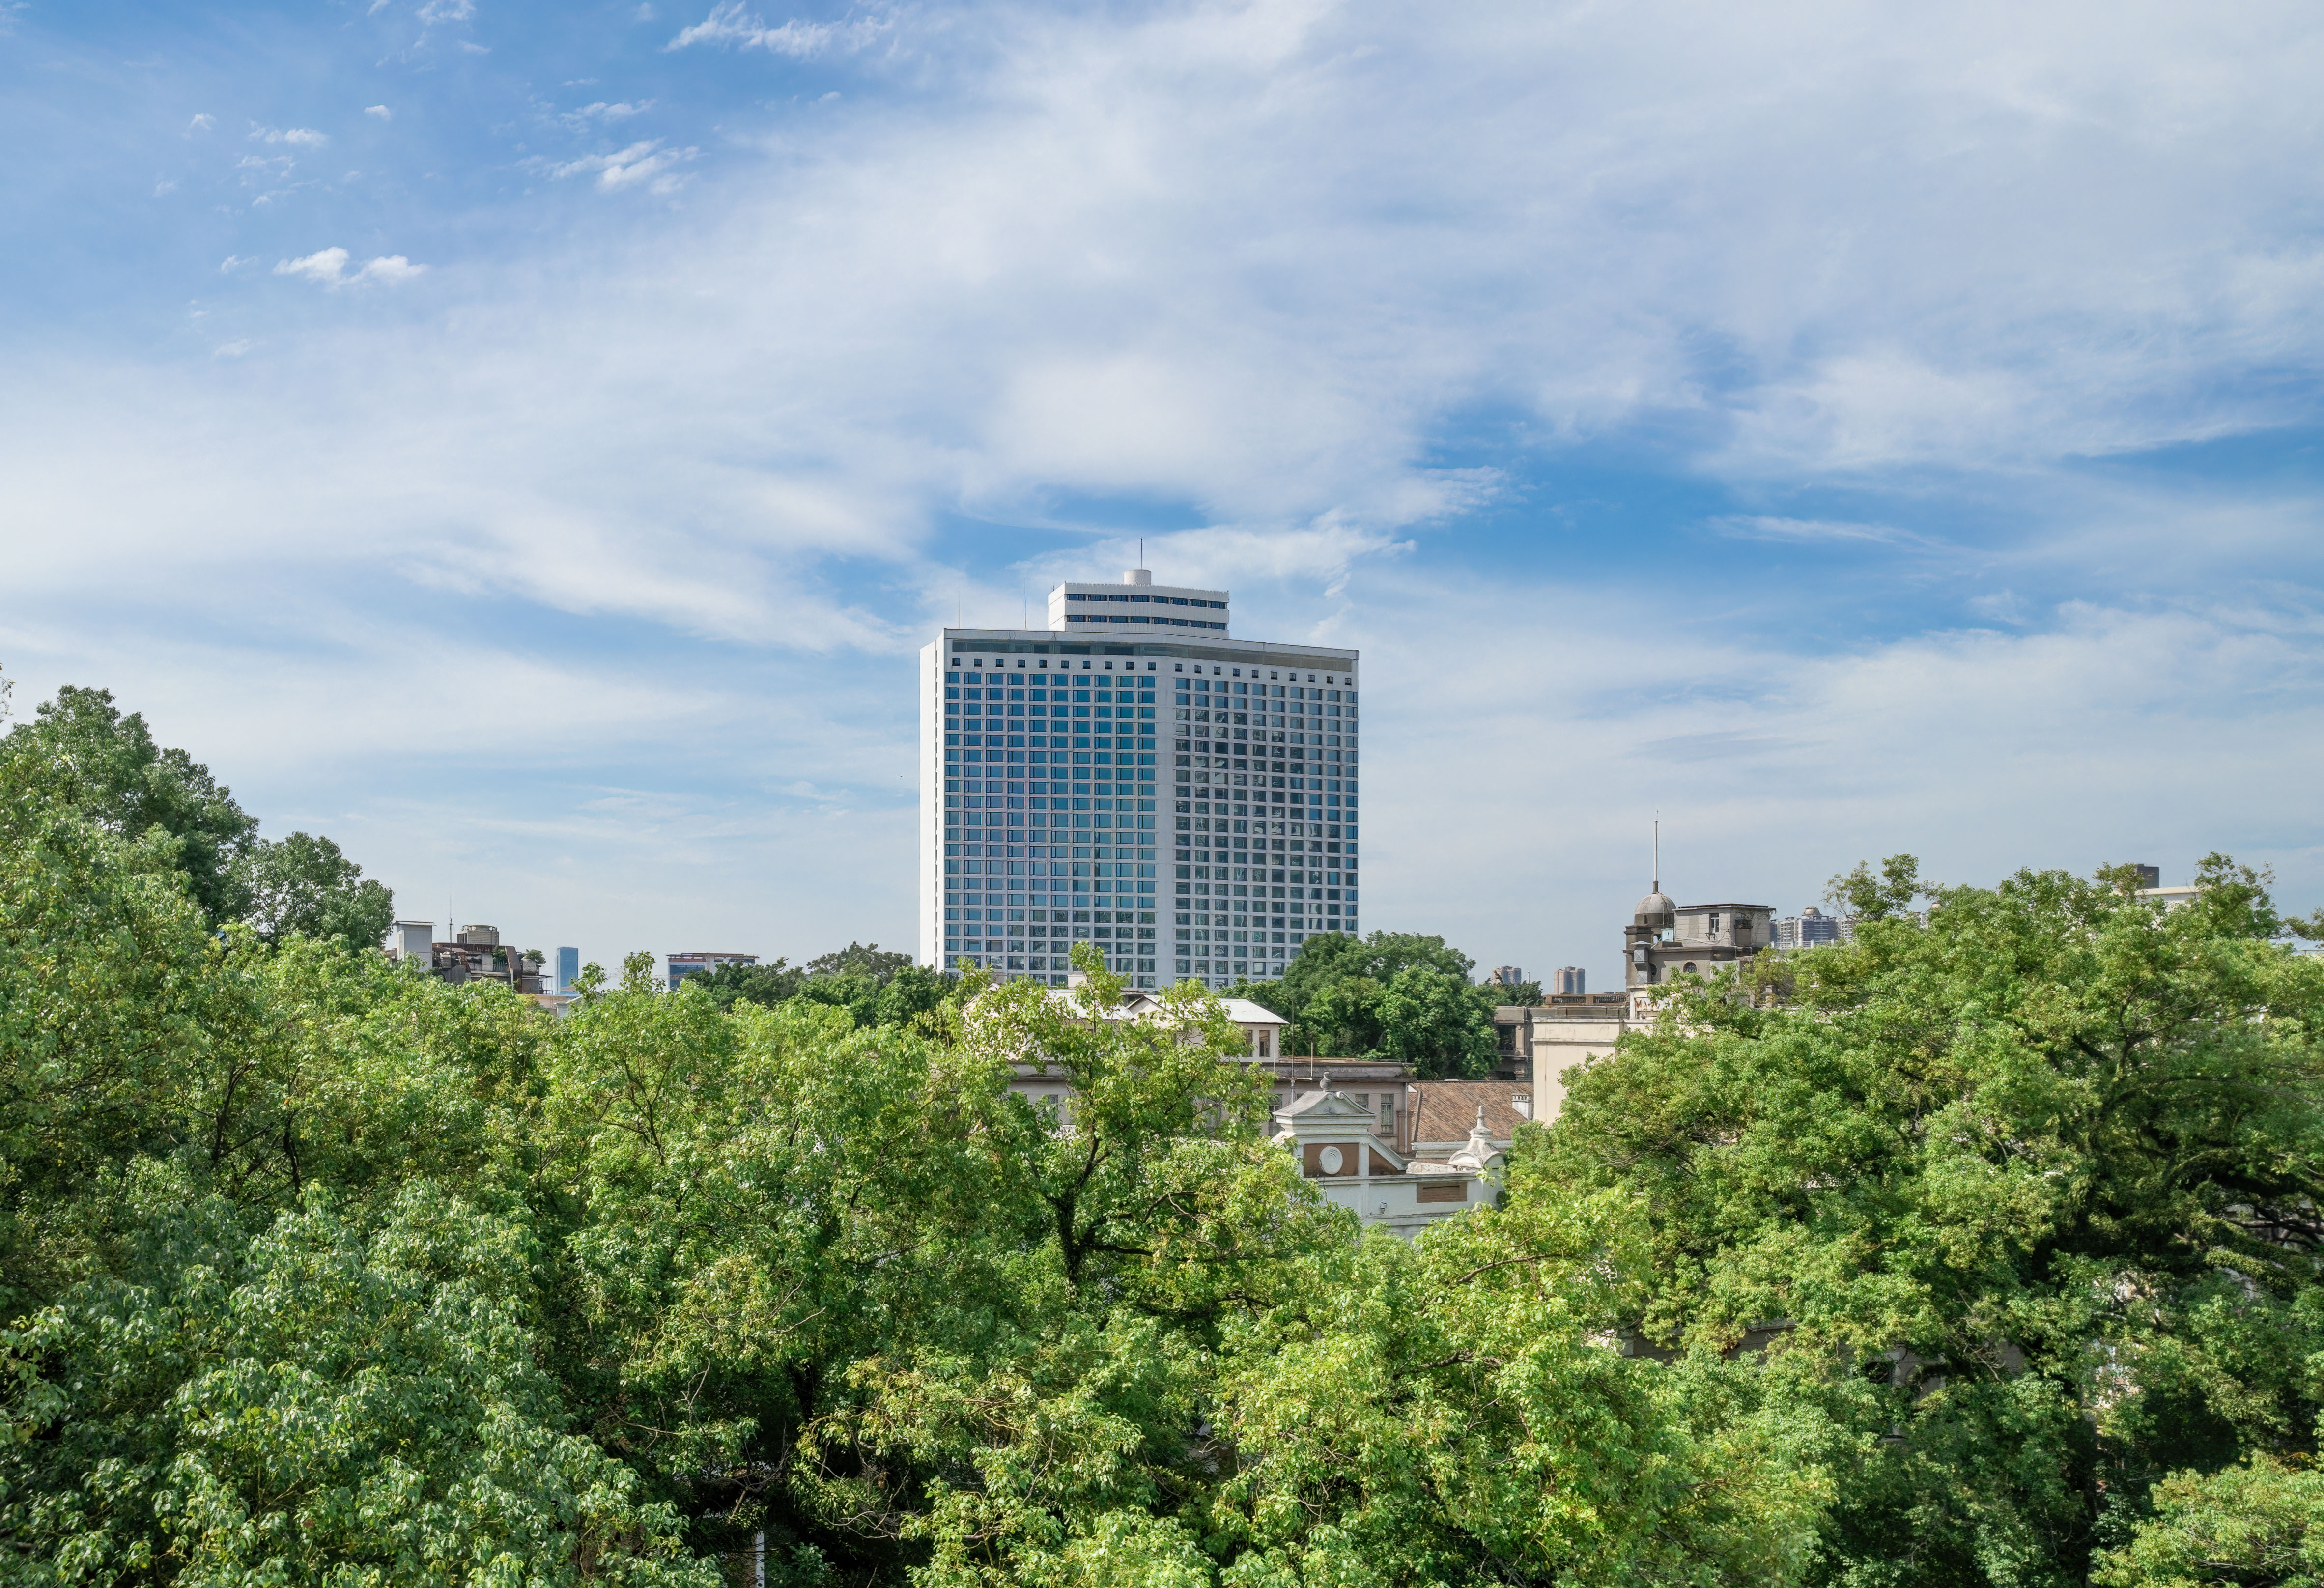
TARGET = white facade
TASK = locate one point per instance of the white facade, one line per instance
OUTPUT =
(1341, 1154)
(1134, 777)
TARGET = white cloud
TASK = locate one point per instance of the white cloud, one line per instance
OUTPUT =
(328, 266)
(235, 262)
(391, 269)
(644, 163)
(297, 137)
(380, 111)
(730, 24)
(602, 113)
(234, 349)
(202, 122)
(1259, 270)
(436, 11)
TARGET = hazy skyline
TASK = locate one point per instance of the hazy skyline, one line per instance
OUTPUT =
(530, 444)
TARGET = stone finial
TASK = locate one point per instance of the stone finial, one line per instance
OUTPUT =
(1478, 1152)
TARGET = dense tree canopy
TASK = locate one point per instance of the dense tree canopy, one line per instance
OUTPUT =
(302, 885)
(1980, 1251)
(2024, 1201)
(1396, 996)
(80, 752)
(874, 986)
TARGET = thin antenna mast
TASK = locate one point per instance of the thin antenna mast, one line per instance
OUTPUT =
(1658, 855)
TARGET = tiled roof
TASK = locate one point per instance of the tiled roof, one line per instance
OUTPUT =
(1446, 1110)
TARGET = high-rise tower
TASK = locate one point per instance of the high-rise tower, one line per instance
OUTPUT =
(1133, 777)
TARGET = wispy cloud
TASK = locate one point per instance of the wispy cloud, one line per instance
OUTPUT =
(1504, 341)
(645, 163)
(202, 122)
(602, 113)
(730, 24)
(329, 267)
(1814, 530)
(297, 137)
(380, 112)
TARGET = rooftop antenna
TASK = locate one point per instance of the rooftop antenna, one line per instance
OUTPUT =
(1658, 855)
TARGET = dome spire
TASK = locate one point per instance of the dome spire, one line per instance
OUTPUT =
(1656, 910)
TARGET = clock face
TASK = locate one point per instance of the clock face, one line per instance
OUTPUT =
(1330, 1158)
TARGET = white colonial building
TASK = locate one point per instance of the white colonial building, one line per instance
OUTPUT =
(1341, 1152)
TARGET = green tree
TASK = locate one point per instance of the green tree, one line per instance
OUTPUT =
(113, 996)
(2256, 1525)
(860, 959)
(303, 884)
(1342, 1019)
(2022, 1200)
(876, 988)
(326, 1402)
(765, 985)
(1437, 1023)
(1336, 956)
(84, 754)
(1447, 1411)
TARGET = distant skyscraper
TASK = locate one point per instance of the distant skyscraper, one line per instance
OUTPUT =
(568, 968)
(1568, 980)
(1058, 766)
(1807, 930)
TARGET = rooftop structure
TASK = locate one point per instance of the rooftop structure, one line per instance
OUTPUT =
(1136, 603)
(2150, 878)
(475, 954)
(1665, 938)
(1058, 765)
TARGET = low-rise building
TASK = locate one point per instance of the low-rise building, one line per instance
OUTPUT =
(1364, 1112)
(475, 954)
(1344, 1154)
(1541, 1042)
(1445, 1114)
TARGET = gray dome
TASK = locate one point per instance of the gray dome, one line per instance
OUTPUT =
(1655, 909)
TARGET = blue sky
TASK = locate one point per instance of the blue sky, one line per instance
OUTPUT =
(529, 443)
